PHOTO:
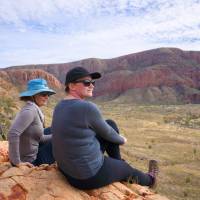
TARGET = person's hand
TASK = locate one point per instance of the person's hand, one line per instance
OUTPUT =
(125, 139)
(28, 164)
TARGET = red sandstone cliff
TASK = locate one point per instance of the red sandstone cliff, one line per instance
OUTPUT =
(19, 77)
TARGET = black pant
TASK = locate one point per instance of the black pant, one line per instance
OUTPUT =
(44, 155)
(110, 148)
(114, 169)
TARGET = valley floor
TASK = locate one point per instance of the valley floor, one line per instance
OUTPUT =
(169, 134)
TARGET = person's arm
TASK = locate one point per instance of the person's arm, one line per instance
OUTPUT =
(99, 125)
(20, 124)
(45, 138)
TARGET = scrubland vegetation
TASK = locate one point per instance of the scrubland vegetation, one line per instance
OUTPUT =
(8, 108)
(169, 134)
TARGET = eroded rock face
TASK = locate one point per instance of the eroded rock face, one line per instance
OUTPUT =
(20, 77)
(47, 183)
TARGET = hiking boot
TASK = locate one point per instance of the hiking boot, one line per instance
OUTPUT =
(153, 172)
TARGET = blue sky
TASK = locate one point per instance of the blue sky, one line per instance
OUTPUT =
(60, 31)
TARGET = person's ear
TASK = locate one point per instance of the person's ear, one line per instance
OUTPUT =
(71, 86)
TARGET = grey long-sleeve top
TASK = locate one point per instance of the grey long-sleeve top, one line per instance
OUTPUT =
(25, 133)
(74, 126)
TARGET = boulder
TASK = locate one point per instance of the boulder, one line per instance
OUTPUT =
(47, 183)
(3, 151)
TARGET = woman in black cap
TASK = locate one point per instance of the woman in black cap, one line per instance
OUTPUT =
(81, 136)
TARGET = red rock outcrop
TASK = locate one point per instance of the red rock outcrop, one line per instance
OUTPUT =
(47, 183)
(3, 151)
(20, 77)
(120, 81)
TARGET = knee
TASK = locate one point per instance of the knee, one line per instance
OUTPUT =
(113, 124)
(47, 131)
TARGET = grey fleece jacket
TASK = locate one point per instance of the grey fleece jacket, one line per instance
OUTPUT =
(74, 126)
(25, 133)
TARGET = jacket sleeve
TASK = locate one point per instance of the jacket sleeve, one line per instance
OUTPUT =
(20, 123)
(99, 125)
(45, 138)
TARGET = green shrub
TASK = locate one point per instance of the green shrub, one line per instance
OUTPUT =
(7, 107)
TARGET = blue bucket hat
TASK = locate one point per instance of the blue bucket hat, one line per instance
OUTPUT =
(36, 86)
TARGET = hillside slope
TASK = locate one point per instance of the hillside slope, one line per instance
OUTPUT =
(164, 75)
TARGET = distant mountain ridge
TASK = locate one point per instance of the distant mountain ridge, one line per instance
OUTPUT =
(164, 75)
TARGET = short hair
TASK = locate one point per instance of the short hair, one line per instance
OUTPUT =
(67, 88)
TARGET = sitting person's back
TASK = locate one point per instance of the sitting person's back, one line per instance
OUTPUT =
(80, 154)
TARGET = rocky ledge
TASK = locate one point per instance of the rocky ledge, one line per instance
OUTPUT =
(47, 183)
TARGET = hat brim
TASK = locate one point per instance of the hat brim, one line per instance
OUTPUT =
(30, 93)
(95, 75)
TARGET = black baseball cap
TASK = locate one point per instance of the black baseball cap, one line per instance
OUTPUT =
(79, 72)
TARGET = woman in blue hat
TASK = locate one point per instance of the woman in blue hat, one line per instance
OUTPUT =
(29, 141)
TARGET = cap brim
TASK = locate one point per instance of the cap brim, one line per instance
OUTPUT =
(95, 75)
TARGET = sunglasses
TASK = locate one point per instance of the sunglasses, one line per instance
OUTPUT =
(86, 83)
